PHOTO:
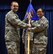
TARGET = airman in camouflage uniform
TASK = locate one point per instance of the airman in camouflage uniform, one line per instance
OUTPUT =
(40, 34)
(12, 35)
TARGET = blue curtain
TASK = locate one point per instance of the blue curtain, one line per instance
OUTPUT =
(3, 49)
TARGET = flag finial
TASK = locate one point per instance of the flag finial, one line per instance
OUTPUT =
(30, 1)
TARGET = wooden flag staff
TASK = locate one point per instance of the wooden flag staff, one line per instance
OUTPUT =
(29, 35)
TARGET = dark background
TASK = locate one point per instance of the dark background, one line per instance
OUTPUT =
(46, 5)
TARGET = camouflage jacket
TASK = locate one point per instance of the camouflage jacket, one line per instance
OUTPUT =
(12, 24)
(40, 30)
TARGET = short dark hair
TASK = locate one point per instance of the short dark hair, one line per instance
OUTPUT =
(41, 9)
(13, 2)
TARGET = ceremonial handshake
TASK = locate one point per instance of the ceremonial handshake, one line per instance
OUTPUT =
(38, 36)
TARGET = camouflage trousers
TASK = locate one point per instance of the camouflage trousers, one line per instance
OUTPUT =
(13, 47)
(36, 48)
(39, 48)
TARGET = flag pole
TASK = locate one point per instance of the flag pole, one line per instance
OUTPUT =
(29, 40)
(29, 35)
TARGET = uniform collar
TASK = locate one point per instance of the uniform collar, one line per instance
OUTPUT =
(43, 17)
(13, 12)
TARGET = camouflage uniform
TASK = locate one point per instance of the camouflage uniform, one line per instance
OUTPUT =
(40, 36)
(12, 35)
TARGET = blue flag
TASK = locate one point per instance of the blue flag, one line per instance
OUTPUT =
(32, 11)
